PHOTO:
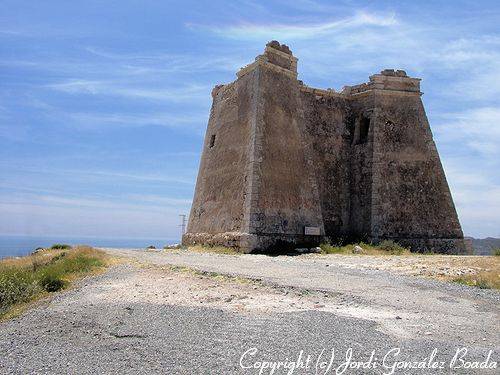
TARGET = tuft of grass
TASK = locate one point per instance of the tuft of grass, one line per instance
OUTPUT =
(60, 246)
(496, 252)
(429, 252)
(214, 249)
(386, 247)
(392, 247)
(330, 249)
(28, 278)
(485, 279)
(481, 284)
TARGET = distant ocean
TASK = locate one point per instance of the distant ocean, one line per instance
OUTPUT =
(23, 245)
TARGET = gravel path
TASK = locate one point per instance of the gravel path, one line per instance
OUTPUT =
(442, 309)
(145, 317)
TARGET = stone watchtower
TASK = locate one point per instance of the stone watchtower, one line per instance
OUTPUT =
(286, 164)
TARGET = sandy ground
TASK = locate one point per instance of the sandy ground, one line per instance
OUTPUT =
(376, 288)
(441, 267)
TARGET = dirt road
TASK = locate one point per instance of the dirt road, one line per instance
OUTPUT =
(241, 313)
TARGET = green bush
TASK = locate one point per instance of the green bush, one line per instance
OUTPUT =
(58, 257)
(60, 246)
(80, 263)
(16, 286)
(496, 252)
(51, 282)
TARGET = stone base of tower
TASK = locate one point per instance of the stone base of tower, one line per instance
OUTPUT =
(247, 243)
(237, 240)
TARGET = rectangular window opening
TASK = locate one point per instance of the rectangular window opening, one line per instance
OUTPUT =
(361, 130)
(212, 141)
(364, 127)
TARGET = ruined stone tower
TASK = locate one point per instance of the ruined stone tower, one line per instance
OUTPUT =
(284, 163)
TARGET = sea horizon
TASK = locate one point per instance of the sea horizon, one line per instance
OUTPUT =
(21, 245)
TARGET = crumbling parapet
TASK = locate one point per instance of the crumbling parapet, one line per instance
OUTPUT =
(279, 59)
(388, 80)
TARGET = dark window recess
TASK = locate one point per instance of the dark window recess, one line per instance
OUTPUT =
(364, 127)
(212, 141)
(361, 130)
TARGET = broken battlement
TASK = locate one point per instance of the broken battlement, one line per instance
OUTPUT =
(279, 58)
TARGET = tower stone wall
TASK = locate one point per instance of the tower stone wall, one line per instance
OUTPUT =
(284, 164)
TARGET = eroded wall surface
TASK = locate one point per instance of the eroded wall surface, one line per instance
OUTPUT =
(329, 135)
(288, 198)
(411, 196)
(218, 205)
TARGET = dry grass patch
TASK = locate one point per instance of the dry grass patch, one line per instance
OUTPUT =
(476, 271)
(386, 247)
(483, 279)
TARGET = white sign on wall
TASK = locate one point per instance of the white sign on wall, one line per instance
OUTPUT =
(312, 231)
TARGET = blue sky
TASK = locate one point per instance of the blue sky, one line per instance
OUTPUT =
(103, 104)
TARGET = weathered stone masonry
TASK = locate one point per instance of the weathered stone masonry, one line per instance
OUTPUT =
(284, 163)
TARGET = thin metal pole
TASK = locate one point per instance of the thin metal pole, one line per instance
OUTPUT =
(183, 223)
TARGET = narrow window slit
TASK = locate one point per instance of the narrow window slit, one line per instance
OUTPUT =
(364, 127)
(361, 131)
(212, 141)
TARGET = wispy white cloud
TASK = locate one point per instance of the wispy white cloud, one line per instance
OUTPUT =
(159, 200)
(134, 202)
(312, 6)
(164, 63)
(98, 87)
(187, 177)
(298, 31)
(128, 202)
(478, 86)
(471, 161)
(94, 120)
(11, 32)
(476, 194)
(174, 178)
(474, 128)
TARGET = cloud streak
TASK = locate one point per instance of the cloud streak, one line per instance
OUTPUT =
(178, 94)
(90, 121)
(298, 31)
(109, 175)
(474, 128)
